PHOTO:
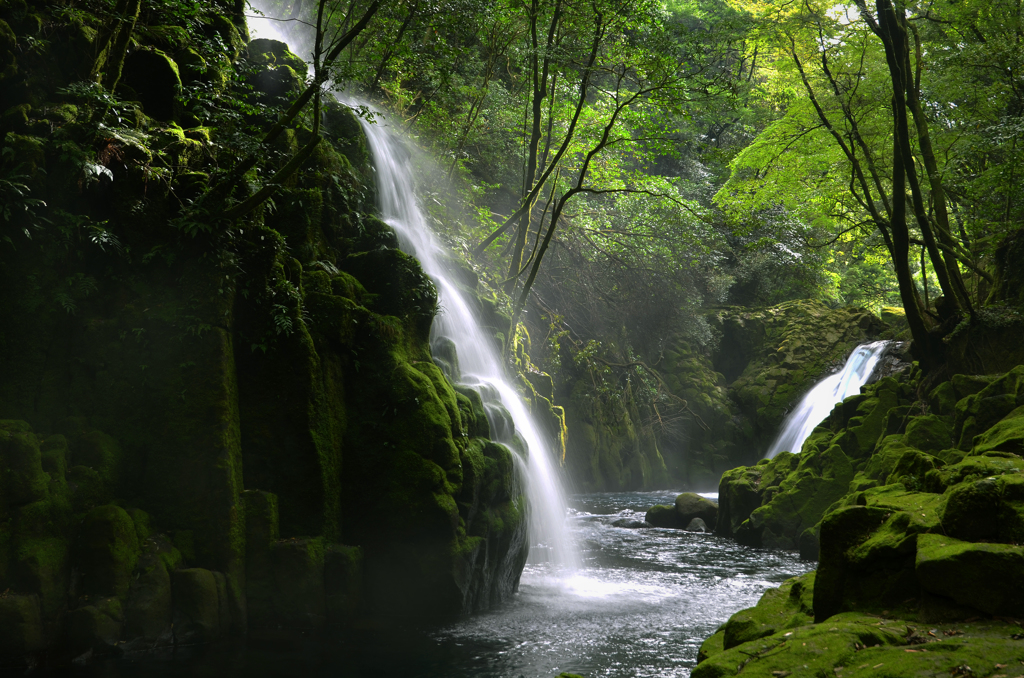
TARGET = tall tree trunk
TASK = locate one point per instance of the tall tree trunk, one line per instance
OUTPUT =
(935, 180)
(541, 68)
(894, 39)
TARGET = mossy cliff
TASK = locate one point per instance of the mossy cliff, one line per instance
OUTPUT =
(693, 412)
(610, 441)
(213, 426)
(911, 503)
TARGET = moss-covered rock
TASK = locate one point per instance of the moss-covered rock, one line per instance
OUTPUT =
(108, 550)
(95, 627)
(300, 348)
(972, 574)
(154, 77)
(148, 609)
(688, 506)
(21, 626)
(785, 607)
(853, 644)
(197, 606)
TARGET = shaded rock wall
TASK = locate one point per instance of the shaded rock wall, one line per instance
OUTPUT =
(212, 426)
(717, 409)
(918, 554)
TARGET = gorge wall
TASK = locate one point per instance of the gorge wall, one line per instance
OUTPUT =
(207, 426)
(718, 407)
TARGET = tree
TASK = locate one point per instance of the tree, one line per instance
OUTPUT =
(861, 158)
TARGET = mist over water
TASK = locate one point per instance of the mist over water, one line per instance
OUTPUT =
(820, 400)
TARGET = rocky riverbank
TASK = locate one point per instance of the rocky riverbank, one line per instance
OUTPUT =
(910, 501)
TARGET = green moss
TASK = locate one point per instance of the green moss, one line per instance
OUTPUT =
(712, 645)
(92, 628)
(342, 582)
(197, 602)
(101, 452)
(801, 499)
(21, 625)
(852, 644)
(41, 565)
(991, 508)
(785, 607)
(1005, 436)
(663, 515)
(942, 562)
(108, 550)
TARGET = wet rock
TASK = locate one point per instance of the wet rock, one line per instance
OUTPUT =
(631, 523)
(696, 525)
(687, 506)
(664, 515)
(690, 506)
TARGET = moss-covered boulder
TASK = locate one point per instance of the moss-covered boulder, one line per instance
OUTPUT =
(785, 607)
(108, 550)
(971, 574)
(21, 626)
(198, 595)
(95, 627)
(687, 507)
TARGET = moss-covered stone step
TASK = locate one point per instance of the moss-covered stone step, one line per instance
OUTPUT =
(855, 644)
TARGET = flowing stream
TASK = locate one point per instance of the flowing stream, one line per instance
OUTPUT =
(820, 400)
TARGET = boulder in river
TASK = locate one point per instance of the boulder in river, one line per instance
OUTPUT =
(688, 506)
(631, 523)
(697, 525)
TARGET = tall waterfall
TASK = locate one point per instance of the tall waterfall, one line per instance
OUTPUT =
(820, 400)
(478, 359)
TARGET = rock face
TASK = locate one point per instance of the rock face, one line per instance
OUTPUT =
(688, 507)
(926, 531)
(877, 439)
(736, 396)
(194, 437)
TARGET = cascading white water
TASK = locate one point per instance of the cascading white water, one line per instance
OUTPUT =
(820, 400)
(479, 362)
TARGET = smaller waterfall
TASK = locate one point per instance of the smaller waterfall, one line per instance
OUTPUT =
(820, 400)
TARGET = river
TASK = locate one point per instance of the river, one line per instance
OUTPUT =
(640, 605)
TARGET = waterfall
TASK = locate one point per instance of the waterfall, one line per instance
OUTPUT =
(820, 400)
(478, 359)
